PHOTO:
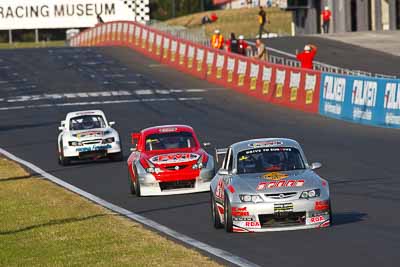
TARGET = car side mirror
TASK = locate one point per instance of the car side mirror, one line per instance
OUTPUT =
(61, 128)
(206, 144)
(223, 172)
(133, 149)
(316, 165)
(111, 123)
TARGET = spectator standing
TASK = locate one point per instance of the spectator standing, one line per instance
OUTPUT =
(242, 46)
(231, 44)
(326, 19)
(213, 17)
(217, 40)
(261, 50)
(262, 20)
(306, 57)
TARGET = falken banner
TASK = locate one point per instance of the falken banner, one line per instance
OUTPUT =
(365, 100)
(50, 14)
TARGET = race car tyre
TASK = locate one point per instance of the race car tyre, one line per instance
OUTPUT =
(330, 213)
(214, 213)
(227, 215)
(63, 160)
(116, 156)
(137, 188)
(132, 187)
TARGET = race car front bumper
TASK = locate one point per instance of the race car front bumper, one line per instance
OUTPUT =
(281, 216)
(97, 149)
(149, 186)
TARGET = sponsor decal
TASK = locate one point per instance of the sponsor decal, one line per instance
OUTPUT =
(158, 44)
(317, 219)
(174, 158)
(267, 75)
(209, 62)
(144, 37)
(174, 49)
(321, 205)
(283, 207)
(275, 176)
(168, 130)
(254, 70)
(182, 53)
(334, 92)
(239, 212)
(294, 85)
(392, 103)
(230, 68)
(277, 184)
(190, 56)
(364, 98)
(265, 144)
(93, 148)
(166, 47)
(280, 82)
(89, 134)
(244, 219)
(219, 191)
(242, 68)
(220, 65)
(253, 224)
(151, 41)
(199, 59)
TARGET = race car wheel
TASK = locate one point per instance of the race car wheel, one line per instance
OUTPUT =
(136, 184)
(116, 156)
(214, 213)
(63, 160)
(330, 213)
(228, 215)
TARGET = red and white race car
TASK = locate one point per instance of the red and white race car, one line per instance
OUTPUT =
(167, 160)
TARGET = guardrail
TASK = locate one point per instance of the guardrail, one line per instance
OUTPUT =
(367, 100)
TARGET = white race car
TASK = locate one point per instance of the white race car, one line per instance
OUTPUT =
(87, 135)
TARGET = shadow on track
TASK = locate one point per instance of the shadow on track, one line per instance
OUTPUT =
(340, 218)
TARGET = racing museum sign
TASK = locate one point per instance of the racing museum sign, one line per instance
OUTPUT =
(46, 14)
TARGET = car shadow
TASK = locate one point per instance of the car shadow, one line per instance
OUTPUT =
(340, 218)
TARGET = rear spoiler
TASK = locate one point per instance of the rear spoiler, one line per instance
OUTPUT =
(220, 151)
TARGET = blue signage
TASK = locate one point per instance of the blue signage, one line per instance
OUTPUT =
(364, 100)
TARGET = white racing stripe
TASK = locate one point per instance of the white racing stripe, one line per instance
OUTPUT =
(103, 102)
(143, 220)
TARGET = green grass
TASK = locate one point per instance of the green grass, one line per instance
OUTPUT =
(32, 44)
(241, 21)
(44, 225)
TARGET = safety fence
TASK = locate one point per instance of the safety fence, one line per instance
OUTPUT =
(275, 83)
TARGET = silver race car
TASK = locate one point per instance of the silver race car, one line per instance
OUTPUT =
(268, 185)
(87, 135)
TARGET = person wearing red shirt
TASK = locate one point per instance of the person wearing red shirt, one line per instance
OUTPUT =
(326, 19)
(306, 57)
(242, 46)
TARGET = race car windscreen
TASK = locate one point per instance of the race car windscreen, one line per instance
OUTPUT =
(175, 140)
(86, 122)
(269, 159)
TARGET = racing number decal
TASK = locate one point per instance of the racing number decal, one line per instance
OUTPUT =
(219, 192)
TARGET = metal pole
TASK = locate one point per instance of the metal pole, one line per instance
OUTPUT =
(202, 5)
(10, 37)
(36, 36)
(173, 8)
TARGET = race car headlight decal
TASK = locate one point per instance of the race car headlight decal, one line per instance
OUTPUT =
(109, 140)
(250, 198)
(310, 193)
(153, 170)
(201, 163)
(74, 143)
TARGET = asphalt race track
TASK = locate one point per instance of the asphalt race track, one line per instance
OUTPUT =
(340, 54)
(38, 87)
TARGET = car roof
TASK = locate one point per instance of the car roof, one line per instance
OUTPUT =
(84, 112)
(166, 129)
(264, 142)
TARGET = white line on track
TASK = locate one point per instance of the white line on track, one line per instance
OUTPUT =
(170, 99)
(136, 217)
(26, 98)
